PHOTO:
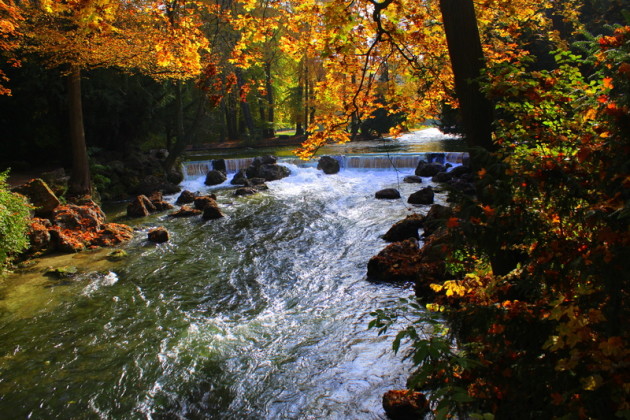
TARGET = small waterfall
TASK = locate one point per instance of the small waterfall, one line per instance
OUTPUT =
(366, 161)
(201, 167)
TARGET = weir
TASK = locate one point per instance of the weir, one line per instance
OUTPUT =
(368, 161)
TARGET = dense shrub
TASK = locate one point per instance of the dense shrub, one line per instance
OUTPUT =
(549, 339)
(14, 218)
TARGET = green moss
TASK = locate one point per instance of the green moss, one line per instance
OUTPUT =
(61, 272)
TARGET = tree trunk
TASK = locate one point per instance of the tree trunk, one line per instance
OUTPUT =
(269, 131)
(229, 110)
(80, 183)
(467, 61)
(245, 108)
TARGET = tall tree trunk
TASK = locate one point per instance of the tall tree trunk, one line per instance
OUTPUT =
(245, 108)
(306, 96)
(80, 183)
(229, 110)
(183, 135)
(467, 61)
(269, 131)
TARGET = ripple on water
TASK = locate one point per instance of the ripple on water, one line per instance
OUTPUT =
(262, 314)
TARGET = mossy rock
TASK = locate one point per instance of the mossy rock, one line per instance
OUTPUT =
(117, 255)
(61, 272)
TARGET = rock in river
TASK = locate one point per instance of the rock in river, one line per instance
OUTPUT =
(387, 194)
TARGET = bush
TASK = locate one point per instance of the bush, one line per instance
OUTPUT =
(14, 218)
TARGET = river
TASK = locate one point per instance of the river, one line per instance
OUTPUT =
(260, 315)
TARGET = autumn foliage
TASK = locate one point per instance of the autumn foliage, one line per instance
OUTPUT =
(547, 340)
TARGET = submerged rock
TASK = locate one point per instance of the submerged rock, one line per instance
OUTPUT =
(240, 192)
(387, 194)
(186, 211)
(61, 272)
(412, 179)
(328, 164)
(158, 235)
(117, 255)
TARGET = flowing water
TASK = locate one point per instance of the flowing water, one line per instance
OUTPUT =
(260, 315)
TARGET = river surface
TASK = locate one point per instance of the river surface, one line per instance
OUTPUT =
(260, 315)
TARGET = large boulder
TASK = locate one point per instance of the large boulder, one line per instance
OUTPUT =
(267, 168)
(387, 194)
(405, 405)
(396, 262)
(328, 164)
(426, 169)
(40, 196)
(75, 227)
(272, 172)
(424, 196)
(215, 177)
(405, 229)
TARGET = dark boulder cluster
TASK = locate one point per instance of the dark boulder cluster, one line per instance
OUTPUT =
(118, 176)
(142, 206)
(67, 227)
(405, 260)
(459, 178)
(253, 179)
